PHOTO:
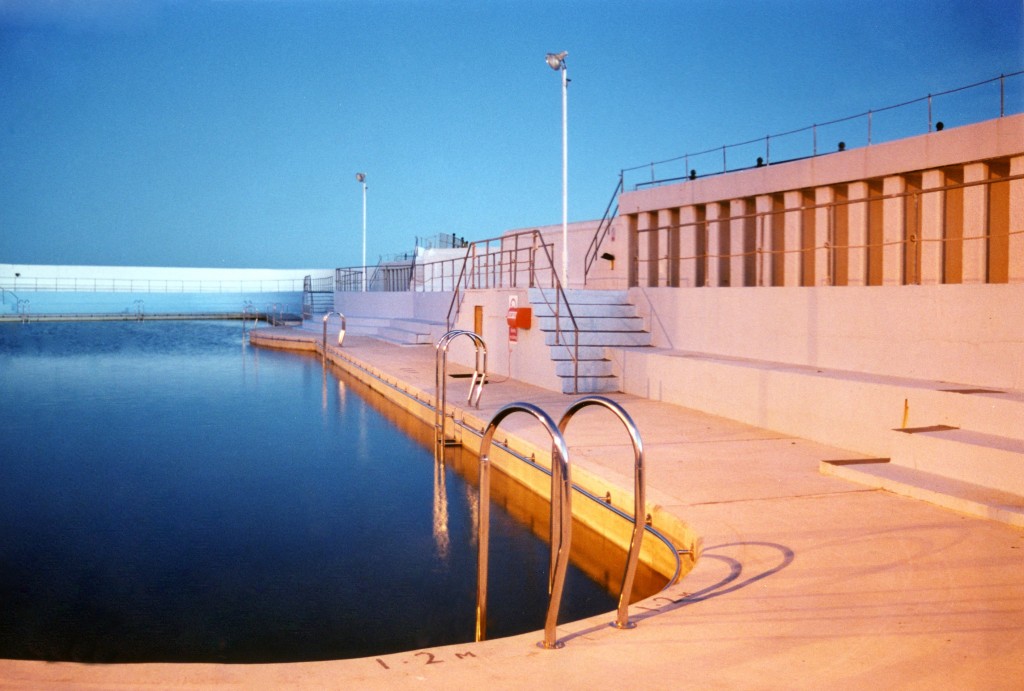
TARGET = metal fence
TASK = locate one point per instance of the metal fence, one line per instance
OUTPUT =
(146, 285)
(963, 105)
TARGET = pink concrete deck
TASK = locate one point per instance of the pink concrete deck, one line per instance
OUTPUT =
(805, 581)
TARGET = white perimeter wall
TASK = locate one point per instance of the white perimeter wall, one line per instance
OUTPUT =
(40, 272)
(970, 334)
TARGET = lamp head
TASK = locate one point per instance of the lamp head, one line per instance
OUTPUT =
(361, 177)
(556, 61)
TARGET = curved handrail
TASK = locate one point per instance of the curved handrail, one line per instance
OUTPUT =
(639, 498)
(561, 520)
(341, 332)
(476, 386)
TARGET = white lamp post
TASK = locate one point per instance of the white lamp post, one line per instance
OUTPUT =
(361, 177)
(557, 62)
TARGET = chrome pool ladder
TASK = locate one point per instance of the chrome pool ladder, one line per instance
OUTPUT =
(639, 498)
(476, 386)
(341, 332)
(561, 513)
(561, 520)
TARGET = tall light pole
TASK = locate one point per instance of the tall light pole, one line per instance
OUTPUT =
(557, 62)
(361, 177)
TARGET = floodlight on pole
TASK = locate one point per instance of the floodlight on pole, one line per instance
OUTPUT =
(556, 61)
(361, 178)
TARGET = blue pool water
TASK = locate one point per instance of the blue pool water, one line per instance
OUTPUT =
(168, 493)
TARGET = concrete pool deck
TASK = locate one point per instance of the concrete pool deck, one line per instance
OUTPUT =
(804, 580)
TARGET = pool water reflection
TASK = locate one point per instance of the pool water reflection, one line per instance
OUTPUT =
(168, 493)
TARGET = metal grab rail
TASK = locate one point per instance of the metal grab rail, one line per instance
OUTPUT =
(561, 520)
(341, 332)
(639, 498)
(561, 298)
(611, 212)
(476, 386)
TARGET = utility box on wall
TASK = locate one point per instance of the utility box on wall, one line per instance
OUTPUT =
(520, 317)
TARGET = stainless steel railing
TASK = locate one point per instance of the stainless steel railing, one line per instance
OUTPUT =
(561, 512)
(561, 520)
(476, 385)
(341, 332)
(639, 498)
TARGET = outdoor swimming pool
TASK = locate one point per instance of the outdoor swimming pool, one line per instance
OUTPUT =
(169, 493)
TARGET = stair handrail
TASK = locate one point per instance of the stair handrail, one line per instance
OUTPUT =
(639, 498)
(610, 213)
(560, 298)
(561, 520)
(456, 303)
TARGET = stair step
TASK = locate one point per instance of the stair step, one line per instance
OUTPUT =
(600, 310)
(965, 497)
(595, 323)
(591, 385)
(540, 296)
(601, 338)
(586, 352)
(403, 336)
(587, 368)
(984, 459)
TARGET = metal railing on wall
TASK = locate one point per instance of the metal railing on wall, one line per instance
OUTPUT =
(962, 105)
(761, 263)
(86, 284)
(516, 260)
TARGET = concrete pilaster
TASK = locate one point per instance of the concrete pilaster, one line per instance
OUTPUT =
(667, 265)
(763, 207)
(1016, 251)
(689, 247)
(633, 249)
(741, 244)
(975, 250)
(794, 224)
(716, 248)
(933, 225)
(824, 241)
(647, 231)
(858, 229)
(894, 231)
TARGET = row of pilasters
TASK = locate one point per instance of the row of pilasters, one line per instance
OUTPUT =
(961, 225)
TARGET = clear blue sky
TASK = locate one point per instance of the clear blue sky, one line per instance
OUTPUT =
(189, 133)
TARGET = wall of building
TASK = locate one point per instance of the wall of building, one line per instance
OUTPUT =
(970, 334)
(528, 359)
(941, 208)
(39, 289)
(28, 277)
(136, 303)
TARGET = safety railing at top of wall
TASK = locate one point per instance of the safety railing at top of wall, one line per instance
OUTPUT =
(960, 106)
(762, 261)
(318, 284)
(516, 260)
(147, 285)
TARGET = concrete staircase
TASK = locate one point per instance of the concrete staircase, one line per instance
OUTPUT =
(970, 460)
(955, 445)
(605, 319)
